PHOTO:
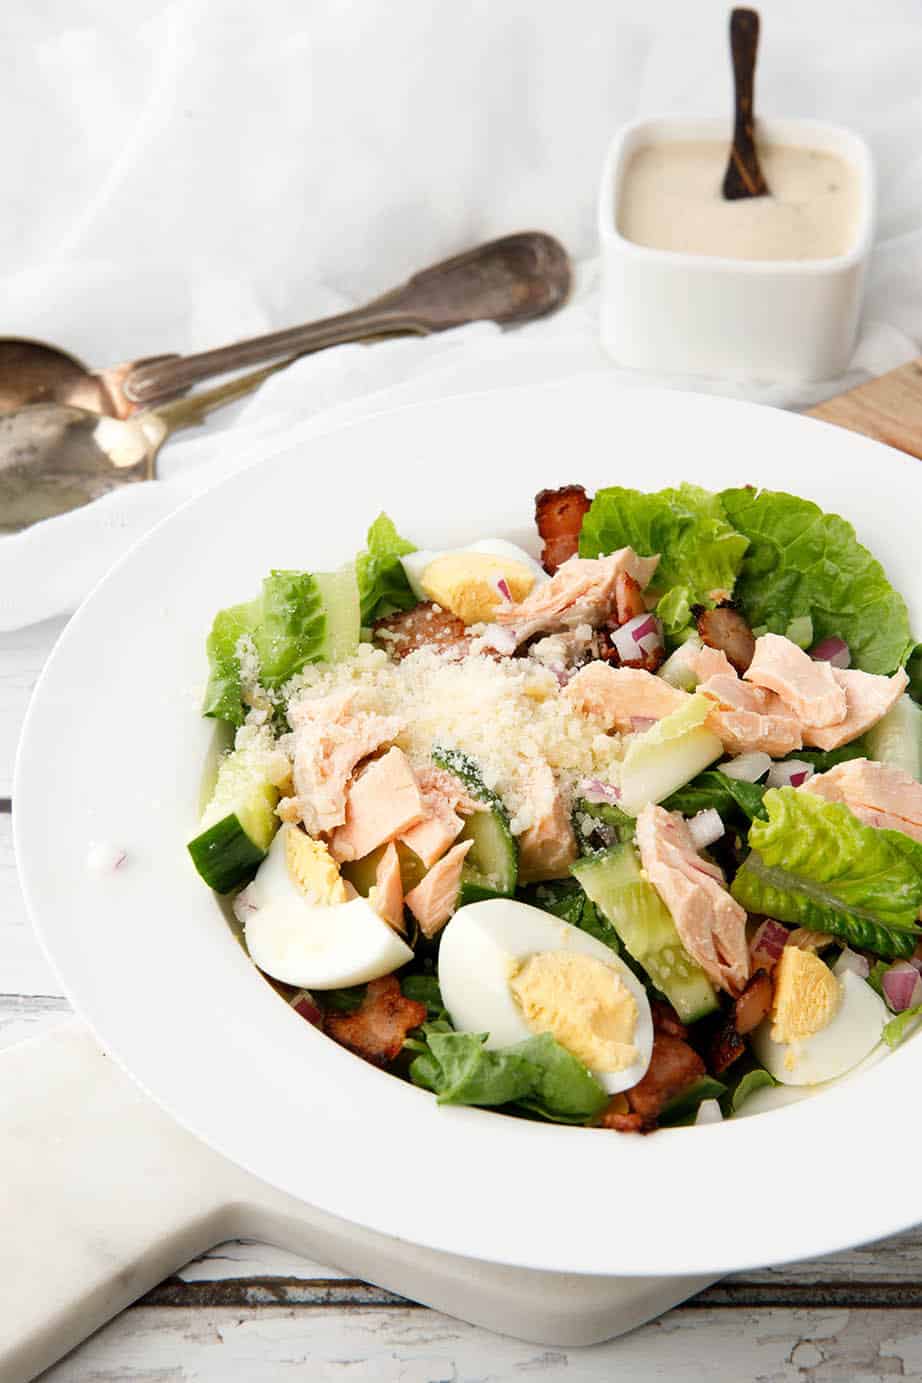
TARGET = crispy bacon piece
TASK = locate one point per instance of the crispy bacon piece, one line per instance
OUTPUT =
(666, 1020)
(725, 1047)
(376, 1030)
(725, 628)
(754, 1002)
(425, 626)
(673, 1067)
(559, 517)
(629, 601)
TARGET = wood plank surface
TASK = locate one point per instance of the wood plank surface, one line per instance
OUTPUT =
(888, 408)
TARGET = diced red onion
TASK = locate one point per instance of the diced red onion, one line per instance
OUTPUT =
(792, 773)
(768, 941)
(643, 633)
(747, 768)
(706, 827)
(902, 986)
(709, 1113)
(641, 723)
(851, 960)
(243, 905)
(834, 651)
(500, 639)
(502, 586)
(594, 790)
(306, 1005)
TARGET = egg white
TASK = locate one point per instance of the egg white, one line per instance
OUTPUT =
(479, 950)
(313, 945)
(415, 563)
(852, 1034)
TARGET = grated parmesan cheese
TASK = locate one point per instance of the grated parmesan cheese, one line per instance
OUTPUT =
(507, 715)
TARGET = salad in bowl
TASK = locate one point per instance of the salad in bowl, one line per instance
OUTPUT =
(629, 836)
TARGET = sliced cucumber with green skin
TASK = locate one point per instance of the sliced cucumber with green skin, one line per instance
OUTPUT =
(491, 868)
(615, 883)
(237, 826)
(897, 739)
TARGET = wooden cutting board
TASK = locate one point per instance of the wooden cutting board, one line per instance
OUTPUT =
(888, 408)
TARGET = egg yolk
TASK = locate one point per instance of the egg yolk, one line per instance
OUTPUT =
(581, 1002)
(465, 583)
(807, 995)
(312, 868)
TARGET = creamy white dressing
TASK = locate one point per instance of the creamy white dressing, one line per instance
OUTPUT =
(671, 200)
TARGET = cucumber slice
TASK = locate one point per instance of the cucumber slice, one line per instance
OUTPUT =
(897, 739)
(615, 883)
(238, 824)
(667, 756)
(339, 591)
(491, 868)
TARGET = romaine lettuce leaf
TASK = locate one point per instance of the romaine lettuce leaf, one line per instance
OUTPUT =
(223, 694)
(382, 582)
(902, 1025)
(756, 1078)
(539, 1074)
(731, 797)
(291, 626)
(700, 552)
(801, 562)
(816, 865)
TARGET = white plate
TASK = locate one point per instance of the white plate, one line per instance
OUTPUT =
(113, 749)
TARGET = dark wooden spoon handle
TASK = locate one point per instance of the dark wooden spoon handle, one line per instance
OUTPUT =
(743, 177)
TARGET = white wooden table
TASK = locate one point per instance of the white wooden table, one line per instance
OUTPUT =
(256, 1314)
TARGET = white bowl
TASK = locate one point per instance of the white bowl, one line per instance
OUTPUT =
(780, 320)
(113, 748)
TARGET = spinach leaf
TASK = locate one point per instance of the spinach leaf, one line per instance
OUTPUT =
(731, 797)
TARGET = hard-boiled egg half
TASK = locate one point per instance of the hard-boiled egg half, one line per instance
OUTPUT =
(300, 927)
(473, 582)
(821, 1024)
(512, 971)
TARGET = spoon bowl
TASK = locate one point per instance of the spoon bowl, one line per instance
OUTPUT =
(510, 280)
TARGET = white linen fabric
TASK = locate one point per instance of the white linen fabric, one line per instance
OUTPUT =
(194, 172)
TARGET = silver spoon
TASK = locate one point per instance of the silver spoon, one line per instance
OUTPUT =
(509, 280)
(55, 457)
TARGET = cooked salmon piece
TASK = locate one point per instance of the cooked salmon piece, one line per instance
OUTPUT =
(747, 718)
(705, 662)
(619, 695)
(329, 739)
(440, 825)
(868, 698)
(582, 591)
(386, 896)
(878, 794)
(711, 924)
(382, 803)
(547, 847)
(727, 631)
(559, 518)
(433, 899)
(809, 688)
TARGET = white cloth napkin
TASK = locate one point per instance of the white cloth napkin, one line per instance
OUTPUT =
(212, 170)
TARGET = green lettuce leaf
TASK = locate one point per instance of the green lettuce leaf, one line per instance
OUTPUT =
(816, 865)
(902, 1026)
(729, 796)
(804, 562)
(291, 628)
(700, 552)
(223, 694)
(424, 989)
(683, 1108)
(598, 825)
(748, 1083)
(564, 1090)
(538, 1074)
(383, 585)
